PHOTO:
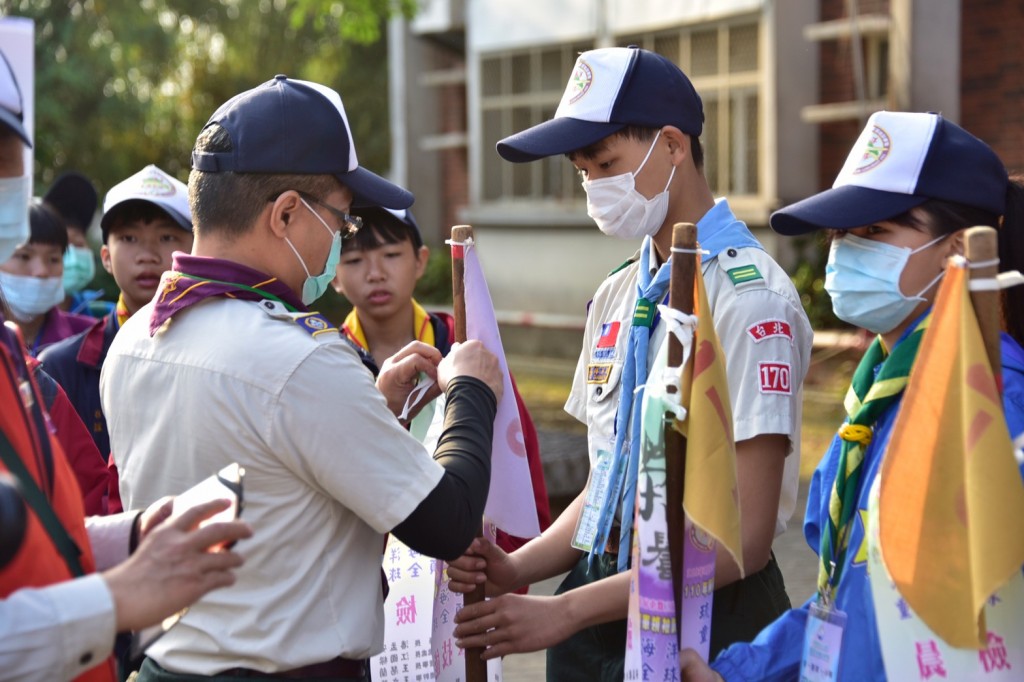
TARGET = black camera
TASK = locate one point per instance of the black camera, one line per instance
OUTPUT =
(13, 519)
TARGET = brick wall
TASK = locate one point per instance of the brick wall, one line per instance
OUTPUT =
(837, 85)
(992, 76)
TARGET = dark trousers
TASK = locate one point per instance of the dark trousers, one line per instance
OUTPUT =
(739, 612)
(152, 672)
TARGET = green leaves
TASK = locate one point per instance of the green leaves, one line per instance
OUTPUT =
(123, 83)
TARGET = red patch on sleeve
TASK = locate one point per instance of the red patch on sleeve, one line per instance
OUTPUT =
(774, 377)
(766, 329)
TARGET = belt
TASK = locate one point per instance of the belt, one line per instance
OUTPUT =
(336, 667)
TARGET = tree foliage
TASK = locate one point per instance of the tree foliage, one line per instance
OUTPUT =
(125, 83)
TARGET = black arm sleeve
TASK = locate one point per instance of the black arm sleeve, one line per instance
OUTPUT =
(448, 518)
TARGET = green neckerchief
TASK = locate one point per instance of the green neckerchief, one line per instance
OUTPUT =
(869, 395)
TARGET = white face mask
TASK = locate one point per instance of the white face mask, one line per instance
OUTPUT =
(620, 210)
(15, 194)
(863, 279)
(30, 297)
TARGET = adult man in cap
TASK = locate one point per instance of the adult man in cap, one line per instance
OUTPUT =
(630, 121)
(246, 372)
(58, 617)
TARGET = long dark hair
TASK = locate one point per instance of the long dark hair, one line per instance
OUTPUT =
(945, 217)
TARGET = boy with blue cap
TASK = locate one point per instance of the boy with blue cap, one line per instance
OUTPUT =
(629, 121)
(229, 364)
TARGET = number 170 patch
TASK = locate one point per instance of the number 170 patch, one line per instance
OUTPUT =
(774, 377)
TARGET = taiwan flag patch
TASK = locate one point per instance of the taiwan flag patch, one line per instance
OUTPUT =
(609, 335)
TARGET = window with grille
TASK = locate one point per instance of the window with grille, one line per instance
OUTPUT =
(723, 61)
(518, 90)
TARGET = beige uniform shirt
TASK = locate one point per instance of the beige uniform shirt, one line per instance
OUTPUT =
(328, 469)
(765, 336)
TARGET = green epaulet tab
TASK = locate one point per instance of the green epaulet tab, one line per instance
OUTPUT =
(625, 264)
(314, 323)
(744, 274)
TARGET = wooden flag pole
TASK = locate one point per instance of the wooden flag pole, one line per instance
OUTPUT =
(684, 269)
(476, 667)
(981, 244)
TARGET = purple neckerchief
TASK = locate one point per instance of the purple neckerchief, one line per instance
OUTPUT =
(187, 282)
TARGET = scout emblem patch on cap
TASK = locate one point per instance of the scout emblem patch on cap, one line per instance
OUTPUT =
(876, 152)
(579, 84)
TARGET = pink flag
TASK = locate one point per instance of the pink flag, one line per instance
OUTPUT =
(510, 503)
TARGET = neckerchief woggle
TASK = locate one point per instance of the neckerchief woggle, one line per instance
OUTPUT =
(877, 383)
(192, 279)
(716, 231)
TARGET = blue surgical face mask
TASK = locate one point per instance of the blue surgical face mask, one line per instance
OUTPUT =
(14, 199)
(79, 268)
(863, 278)
(30, 297)
(315, 285)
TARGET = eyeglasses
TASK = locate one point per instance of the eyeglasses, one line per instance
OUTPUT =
(350, 224)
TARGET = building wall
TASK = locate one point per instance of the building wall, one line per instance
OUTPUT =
(992, 76)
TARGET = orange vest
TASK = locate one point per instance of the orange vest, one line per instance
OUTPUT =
(38, 562)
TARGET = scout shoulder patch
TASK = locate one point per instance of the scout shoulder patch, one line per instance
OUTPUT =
(314, 324)
(774, 377)
(744, 274)
(767, 329)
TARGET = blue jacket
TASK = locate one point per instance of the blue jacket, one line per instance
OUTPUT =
(775, 653)
(75, 364)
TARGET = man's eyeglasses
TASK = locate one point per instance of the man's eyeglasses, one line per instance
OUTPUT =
(350, 224)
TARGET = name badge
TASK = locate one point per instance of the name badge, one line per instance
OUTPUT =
(597, 489)
(823, 641)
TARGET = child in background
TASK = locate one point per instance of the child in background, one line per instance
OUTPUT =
(145, 219)
(378, 272)
(73, 196)
(32, 282)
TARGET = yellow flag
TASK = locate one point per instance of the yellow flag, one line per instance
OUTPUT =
(711, 498)
(951, 511)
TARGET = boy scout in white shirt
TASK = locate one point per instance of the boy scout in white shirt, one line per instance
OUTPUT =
(630, 121)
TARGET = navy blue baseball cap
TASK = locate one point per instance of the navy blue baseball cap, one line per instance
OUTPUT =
(12, 111)
(295, 127)
(610, 89)
(74, 197)
(900, 161)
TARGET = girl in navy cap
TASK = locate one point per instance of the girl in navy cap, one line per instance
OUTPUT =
(910, 186)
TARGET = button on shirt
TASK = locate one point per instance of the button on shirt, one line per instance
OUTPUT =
(328, 470)
(765, 336)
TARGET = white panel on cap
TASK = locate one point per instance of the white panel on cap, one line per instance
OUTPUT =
(890, 152)
(594, 84)
(150, 184)
(9, 97)
(335, 99)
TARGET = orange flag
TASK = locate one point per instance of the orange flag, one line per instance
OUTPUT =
(951, 511)
(711, 499)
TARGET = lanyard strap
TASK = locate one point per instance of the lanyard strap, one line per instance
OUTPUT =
(35, 499)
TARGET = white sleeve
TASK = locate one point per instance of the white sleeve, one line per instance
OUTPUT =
(56, 632)
(110, 537)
